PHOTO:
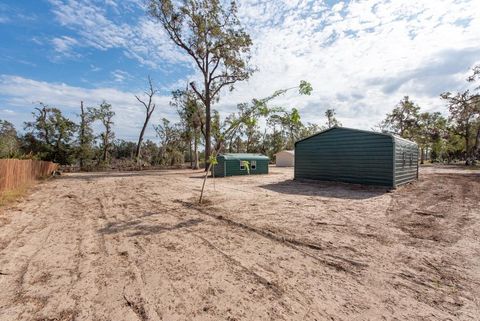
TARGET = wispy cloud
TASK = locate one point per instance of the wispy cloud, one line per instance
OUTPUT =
(12, 14)
(64, 46)
(95, 68)
(104, 27)
(4, 19)
(120, 75)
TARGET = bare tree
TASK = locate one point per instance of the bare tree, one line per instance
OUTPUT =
(149, 109)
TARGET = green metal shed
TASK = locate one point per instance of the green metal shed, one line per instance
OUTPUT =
(231, 164)
(356, 156)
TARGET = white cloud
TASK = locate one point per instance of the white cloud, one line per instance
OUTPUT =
(21, 95)
(65, 46)
(120, 75)
(11, 14)
(104, 27)
(37, 41)
(361, 57)
(8, 111)
(94, 68)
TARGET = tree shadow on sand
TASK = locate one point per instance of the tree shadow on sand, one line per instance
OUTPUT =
(140, 228)
(89, 176)
(326, 189)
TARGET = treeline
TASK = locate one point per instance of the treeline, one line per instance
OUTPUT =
(51, 136)
(442, 138)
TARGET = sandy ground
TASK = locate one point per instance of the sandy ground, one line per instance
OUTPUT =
(135, 246)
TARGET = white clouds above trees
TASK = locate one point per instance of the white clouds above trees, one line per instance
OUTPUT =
(24, 94)
(361, 57)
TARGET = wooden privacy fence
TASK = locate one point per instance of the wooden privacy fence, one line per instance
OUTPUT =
(15, 172)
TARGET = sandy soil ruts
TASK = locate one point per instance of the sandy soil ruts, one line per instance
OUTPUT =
(135, 246)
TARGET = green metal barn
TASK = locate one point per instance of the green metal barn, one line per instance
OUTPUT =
(356, 156)
(232, 164)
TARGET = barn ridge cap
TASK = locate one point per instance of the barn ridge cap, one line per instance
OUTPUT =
(393, 136)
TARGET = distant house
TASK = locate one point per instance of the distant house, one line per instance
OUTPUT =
(233, 164)
(356, 156)
(285, 158)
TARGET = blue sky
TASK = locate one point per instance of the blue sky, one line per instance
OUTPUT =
(360, 56)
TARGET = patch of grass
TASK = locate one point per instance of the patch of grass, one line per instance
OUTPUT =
(475, 167)
(9, 196)
(463, 166)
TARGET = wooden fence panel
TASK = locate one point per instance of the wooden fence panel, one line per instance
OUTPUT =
(15, 172)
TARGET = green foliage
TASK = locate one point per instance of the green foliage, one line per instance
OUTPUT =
(240, 132)
(445, 139)
(172, 144)
(305, 88)
(51, 135)
(246, 119)
(464, 110)
(9, 143)
(85, 152)
(213, 160)
(246, 164)
(310, 129)
(331, 119)
(290, 125)
(403, 120)
(150, 153)
(122, 149)
(104, 113)
(192, 119)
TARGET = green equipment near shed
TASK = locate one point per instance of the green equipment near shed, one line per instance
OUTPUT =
(356, 156)
(234, 164)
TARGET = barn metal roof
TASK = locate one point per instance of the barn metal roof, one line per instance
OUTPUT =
(243, 156)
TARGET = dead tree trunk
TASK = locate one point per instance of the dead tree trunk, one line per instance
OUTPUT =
(190, 152)
(105, 145)
(195, 151)
(149, 109)
(82, 135)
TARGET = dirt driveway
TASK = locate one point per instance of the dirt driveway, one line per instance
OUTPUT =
(134, 246)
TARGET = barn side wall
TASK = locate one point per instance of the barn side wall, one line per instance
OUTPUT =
(346, 155)
(233, 167)
(406, 161)
(219, 168)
